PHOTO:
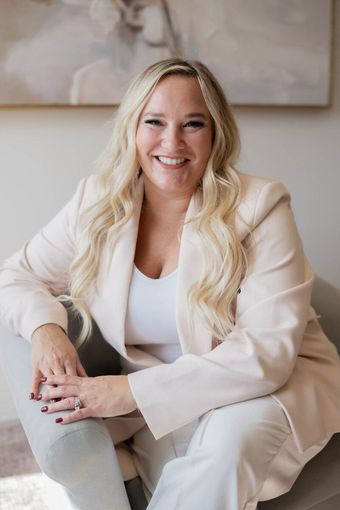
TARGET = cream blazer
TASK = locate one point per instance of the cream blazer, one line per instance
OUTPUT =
(276, 346)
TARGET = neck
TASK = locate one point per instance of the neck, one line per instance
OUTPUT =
(163, 204)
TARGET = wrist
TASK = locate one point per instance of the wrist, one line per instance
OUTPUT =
(50, 327)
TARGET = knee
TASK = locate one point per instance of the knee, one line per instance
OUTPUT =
(229, 449)
(243, 434)
(232, 452)
(76, 456)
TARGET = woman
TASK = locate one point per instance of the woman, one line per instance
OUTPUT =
(196, 275)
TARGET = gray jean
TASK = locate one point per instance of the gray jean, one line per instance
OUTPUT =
(81, 457)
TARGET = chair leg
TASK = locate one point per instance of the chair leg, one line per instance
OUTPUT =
(136, 496)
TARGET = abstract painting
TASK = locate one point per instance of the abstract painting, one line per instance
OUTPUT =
(85, 52)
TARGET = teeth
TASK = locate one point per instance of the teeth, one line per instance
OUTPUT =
(170, 161)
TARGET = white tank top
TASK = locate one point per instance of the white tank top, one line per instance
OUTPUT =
(150, 319)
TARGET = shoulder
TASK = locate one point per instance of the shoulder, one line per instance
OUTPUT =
(88, 192)
(259, 195)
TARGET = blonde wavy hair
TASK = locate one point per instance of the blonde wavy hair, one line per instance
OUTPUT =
(212, 296)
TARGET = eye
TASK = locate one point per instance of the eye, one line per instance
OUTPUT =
(153, 122)
(194, 124)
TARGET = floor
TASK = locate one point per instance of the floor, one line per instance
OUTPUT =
(16, 457)
(22, 486)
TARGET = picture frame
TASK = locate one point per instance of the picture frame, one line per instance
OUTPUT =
(85, 52)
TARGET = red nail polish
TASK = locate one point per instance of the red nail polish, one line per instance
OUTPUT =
(39, 397)
(44, 409)
(58, 420)
(31, 396)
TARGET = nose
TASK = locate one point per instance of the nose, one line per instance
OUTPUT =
(172, 138)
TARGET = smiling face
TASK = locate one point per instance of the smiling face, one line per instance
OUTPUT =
(174, 137)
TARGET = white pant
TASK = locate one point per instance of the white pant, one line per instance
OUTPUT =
(229, 459)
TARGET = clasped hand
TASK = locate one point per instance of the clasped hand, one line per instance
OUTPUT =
(101, 396)
(56, 364)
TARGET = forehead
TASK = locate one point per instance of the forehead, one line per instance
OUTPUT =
(177, 93)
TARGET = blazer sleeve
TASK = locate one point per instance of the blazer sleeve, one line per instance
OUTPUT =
(259, 354)
(33, 276)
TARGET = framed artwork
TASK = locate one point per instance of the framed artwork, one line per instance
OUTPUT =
(85, 52)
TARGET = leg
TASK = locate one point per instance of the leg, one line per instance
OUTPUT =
(150, 456)
(80, 456)
(227, 461)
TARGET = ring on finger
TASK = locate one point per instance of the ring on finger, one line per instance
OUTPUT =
(77, 404)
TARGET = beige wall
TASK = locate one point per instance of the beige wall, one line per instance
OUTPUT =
(45, 152)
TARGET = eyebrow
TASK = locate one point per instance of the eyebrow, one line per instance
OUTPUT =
(189, 116)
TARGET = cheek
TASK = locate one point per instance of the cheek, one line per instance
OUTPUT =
(203, 146)
(145, 139)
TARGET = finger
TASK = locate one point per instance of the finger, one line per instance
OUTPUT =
(48, 372)
(37, 375)
(58, 369)
(80, 369)
(52, 400)
(62, 405)
(76, 416)
(61, 392)
(59, 386)
(71, 368)
(62, 380)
